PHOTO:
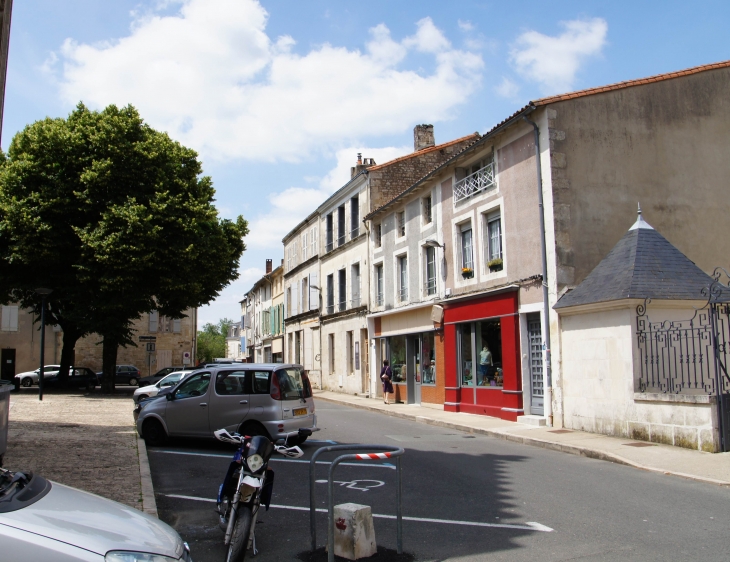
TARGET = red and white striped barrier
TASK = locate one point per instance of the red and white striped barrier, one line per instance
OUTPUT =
(368, 456)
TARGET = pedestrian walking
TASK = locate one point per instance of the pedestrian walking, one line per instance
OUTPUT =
(386, 375)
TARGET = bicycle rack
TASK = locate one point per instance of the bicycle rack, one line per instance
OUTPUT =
(389, 453)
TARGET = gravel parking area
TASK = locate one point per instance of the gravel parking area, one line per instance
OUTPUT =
(87, 441)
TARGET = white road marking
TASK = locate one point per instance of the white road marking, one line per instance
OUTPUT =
(528, 526)
(354, 485)
(378, 465)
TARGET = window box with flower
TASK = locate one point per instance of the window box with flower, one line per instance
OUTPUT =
(495, 265)
(467, 272)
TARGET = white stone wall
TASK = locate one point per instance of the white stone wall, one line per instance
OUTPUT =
(599, 368)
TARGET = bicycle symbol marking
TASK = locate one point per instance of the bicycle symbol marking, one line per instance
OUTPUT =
(357, 484)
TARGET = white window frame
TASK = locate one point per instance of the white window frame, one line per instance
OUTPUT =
(401, 227)
(399, 278)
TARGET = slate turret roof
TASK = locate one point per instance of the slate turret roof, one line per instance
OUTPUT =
(643, 264)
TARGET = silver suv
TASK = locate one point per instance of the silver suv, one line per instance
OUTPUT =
(271, 399)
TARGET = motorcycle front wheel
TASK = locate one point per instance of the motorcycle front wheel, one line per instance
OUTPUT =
(239, 538)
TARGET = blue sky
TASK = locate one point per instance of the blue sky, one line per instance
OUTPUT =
(278, 97)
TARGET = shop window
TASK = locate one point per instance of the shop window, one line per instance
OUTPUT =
(398, 358)
(480, 353)
(428, 359)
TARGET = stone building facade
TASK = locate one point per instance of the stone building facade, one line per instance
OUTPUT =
(173, 339)
(20, 340)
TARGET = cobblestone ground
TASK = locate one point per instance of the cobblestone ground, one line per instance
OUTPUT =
(87, 441)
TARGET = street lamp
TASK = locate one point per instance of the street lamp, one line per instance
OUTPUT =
(432, 244)
(43, 293)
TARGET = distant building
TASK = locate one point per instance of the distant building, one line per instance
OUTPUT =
(262, 317)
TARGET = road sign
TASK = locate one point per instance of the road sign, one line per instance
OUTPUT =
(150, 347)
(186, 357)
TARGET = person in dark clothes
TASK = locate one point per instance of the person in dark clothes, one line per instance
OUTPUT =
(386, 375)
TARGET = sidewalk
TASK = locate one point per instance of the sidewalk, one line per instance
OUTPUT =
(87, 441)
(695, 465)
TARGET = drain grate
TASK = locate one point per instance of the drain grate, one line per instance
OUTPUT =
(560, 431)
(639, 444)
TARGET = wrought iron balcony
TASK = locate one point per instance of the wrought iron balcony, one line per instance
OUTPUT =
(479, 181)
(330, 309)
(354, 233)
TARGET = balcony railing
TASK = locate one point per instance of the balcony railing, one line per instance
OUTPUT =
(430, 286)
(481, 180)
(330, 246)
(403, 294)
(330, 309)
(379, 299)
(343, 306)
(354, 233)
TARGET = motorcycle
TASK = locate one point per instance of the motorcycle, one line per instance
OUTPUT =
(247, 486)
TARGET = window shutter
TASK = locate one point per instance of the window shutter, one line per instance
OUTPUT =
(154, 320)
(177, 325)
(295, 299)
(313, 292)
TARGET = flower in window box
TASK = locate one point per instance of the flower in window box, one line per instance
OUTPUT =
(495, 264)
(467, 272)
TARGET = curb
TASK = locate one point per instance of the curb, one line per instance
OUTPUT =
(149, 505)
(532, 441)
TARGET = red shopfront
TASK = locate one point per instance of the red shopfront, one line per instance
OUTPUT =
(482, 356)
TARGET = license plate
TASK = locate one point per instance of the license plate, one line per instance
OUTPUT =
(300, 412)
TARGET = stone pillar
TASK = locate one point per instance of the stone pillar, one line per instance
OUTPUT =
(354, 531)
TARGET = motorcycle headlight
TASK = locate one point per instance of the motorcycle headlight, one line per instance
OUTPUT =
(124, 556)
(255, 462)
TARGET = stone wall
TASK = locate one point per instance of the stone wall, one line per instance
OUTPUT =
(169, 347)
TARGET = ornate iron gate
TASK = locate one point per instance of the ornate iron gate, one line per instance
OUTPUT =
(690, 356)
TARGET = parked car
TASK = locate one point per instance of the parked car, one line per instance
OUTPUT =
(78, 377)
(29, 378)
(162, 373)
(43, 520)
(125, 374)
(152, 390)
(252, 399)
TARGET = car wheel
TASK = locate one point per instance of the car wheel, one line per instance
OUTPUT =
(133, 382)
(141, 397)
(26, 382)
(153, 433)
(253, 428)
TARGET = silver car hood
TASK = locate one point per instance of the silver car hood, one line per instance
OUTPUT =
(94, 523)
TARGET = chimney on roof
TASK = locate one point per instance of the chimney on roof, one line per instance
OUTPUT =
(361, 165)
(423, 137)
(268, 266)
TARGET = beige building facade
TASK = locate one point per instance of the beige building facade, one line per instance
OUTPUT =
(20, 342)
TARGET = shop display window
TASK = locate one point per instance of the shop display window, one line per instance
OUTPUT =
(480, 358)
(398, 358)
(428, 357)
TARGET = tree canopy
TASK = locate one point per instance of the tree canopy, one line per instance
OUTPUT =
(116, 218)
(212, 340)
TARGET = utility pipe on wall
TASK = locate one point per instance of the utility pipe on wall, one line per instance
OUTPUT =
(546, 304)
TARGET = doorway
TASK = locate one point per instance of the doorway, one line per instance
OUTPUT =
(7, 372)
(534, 338)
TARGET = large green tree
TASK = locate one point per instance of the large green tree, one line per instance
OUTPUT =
(212, 340)
(117, 219)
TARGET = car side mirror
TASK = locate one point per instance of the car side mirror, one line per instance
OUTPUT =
(170, 396)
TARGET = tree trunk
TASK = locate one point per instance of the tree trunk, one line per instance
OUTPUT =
(109, 365)
(70, 337)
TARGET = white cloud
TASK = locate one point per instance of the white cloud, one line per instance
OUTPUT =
(554, 61)
(507, 88)
(465, 25)
(291, 206)
(211, 76)
(227, 304)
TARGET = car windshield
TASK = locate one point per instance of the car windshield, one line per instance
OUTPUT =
(169, 380)
(291, 383)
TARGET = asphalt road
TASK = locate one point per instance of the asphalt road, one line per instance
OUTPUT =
(482, 498)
